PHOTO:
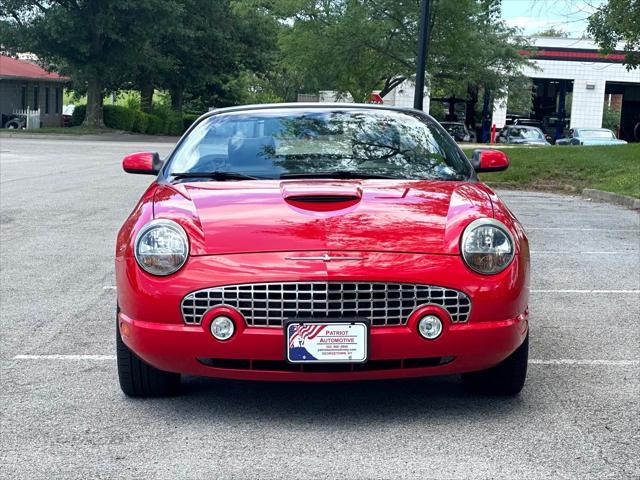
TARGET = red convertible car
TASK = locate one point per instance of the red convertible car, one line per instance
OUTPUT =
(312, 242)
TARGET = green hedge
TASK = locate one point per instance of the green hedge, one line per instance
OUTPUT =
(155, 125)
(188, 119)
(175, 125)
(119, 118)
(130, 120)
(77, 117)
(140, 122)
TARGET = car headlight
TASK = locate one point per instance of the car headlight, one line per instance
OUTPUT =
(487, 246)
(161, 247)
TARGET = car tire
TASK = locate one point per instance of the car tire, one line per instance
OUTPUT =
(12, 125)
(506, 379)
(138, 378)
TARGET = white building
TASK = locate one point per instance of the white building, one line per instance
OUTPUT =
(562, 69)
(401, 96)
(587, 75)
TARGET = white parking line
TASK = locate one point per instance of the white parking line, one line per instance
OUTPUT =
(558, 252)
(584, 291)
(109, 287)
(532, 361)
(579, 229)
(570, 361)
(64, 357)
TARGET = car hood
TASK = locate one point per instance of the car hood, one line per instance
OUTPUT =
(529, 141)
(595, 141)
(323, 215)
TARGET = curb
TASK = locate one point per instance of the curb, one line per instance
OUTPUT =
(98, 137)
(614, 198)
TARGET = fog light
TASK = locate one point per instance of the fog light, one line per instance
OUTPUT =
(222, 328)
(430, 327)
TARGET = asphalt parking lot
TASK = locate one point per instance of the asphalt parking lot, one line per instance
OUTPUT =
(63, 415)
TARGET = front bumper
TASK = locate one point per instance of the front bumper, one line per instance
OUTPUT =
(151, 323)
(183, 349)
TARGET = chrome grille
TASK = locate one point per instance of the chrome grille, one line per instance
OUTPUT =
(269, 304)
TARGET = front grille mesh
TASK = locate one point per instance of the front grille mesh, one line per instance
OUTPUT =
(269, 304)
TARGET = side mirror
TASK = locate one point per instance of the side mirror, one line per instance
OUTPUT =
(486, 160)
(145, 163)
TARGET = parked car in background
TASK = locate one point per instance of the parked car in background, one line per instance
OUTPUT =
(459, 131)
(320, 242)
(13, 121)
(590, 136)
(519, 135)
(67, 115)
(532, 122)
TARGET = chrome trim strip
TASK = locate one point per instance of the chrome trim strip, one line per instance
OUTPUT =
(326, 258)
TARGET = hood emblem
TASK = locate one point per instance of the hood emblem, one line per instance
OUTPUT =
(326, 258)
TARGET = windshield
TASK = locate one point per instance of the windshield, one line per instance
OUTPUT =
(279, 141)
(608, 134)
(527, 133)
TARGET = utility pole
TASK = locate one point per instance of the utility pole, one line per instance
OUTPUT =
(421, 61)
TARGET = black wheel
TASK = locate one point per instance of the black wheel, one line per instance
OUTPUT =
(506, 378)
(139, 379)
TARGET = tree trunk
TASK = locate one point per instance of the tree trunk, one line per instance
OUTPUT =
(177, 99)
(146, 97)
(486, 116)
(470, 111)
(93, 118)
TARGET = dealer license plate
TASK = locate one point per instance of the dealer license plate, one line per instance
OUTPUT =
(328, 342)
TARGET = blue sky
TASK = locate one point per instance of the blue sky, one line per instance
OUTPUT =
(535, 15)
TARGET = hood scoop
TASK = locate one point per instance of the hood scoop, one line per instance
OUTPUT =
(323, 198)
(325, 195)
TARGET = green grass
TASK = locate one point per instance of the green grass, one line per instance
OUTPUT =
(611, 168)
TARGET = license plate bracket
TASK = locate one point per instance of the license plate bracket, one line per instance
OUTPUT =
(326, 341)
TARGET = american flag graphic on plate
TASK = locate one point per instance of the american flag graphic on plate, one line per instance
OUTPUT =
(303, 332)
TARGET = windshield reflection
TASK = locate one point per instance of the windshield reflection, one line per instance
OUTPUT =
(274, 142)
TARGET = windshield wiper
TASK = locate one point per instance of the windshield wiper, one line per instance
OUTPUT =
(336, 174)
(217, 175)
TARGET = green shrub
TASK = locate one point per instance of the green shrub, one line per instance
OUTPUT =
(610, 118)
(161, 122)
(119, 118)
(78, 115)
(155, 125)
(129, 99)
(187, 120)
(175, 125)
(140, 122)
(166, 122)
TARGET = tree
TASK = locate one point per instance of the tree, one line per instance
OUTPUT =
(97, 42)
(618, 21)
(357, 46)
(193, 50)
(210, 58)
(552, 32)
